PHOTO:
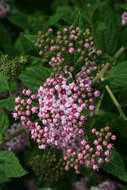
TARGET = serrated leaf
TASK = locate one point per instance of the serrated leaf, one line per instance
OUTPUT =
(106, 39)
(117, 76)
(10, 165)
(33, 77)
(3, 82)
(7, 103)
(19, 19)
(116, 166)
(25, 43)
(61, 13)
(3, 123)
(31, 38)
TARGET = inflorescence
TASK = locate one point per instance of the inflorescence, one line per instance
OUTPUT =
(57, 113)
(48, 166)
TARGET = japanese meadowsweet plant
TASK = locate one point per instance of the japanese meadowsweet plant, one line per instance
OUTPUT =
(56, 114)
(63, 93)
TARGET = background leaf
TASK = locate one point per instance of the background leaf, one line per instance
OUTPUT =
(19, 19)
(7, 103)
(116, 166)
(3, 82)
(117, 76)
(106, 28)
(5, 40)
(33, 77)
(10, 165)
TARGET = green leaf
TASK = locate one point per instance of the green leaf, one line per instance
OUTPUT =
(116, 166)
(118, 75)
(25, 43)
(3, 177)
(61, 13)
(9, 164)
(3, 123)
(33, 77)
(118, 125)
(13, 85)
(3, 82)
(124, 36)
(19, 19)
(5, 39)
(79, 3)
(106, 27)
(124, 6)
(101, 26)
(7, 103)
(31, 38)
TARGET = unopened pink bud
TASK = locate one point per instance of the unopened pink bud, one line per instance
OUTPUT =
(71, 50)
(109, 146)
(91, 107)
(93, 130)
(95, 167)
(107, 152)
(66, 167)
(97, 93)
(96, 142)
(28, 92)
(29, 101)
(86, 45)
(80, 156)
(113, 137)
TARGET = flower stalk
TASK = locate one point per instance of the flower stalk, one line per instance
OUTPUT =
(116, 103)
(108, 89)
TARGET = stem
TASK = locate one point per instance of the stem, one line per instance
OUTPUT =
(99, 104)
(107, 65)
(100, 76)
(116, 103)
(17, 133)
(119, 53)
(101, 73)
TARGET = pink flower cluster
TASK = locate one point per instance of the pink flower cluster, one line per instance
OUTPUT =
(91, 154)
(124, 18)
(24, 107)
(61, 106)
(67, 48)
(55, 117)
